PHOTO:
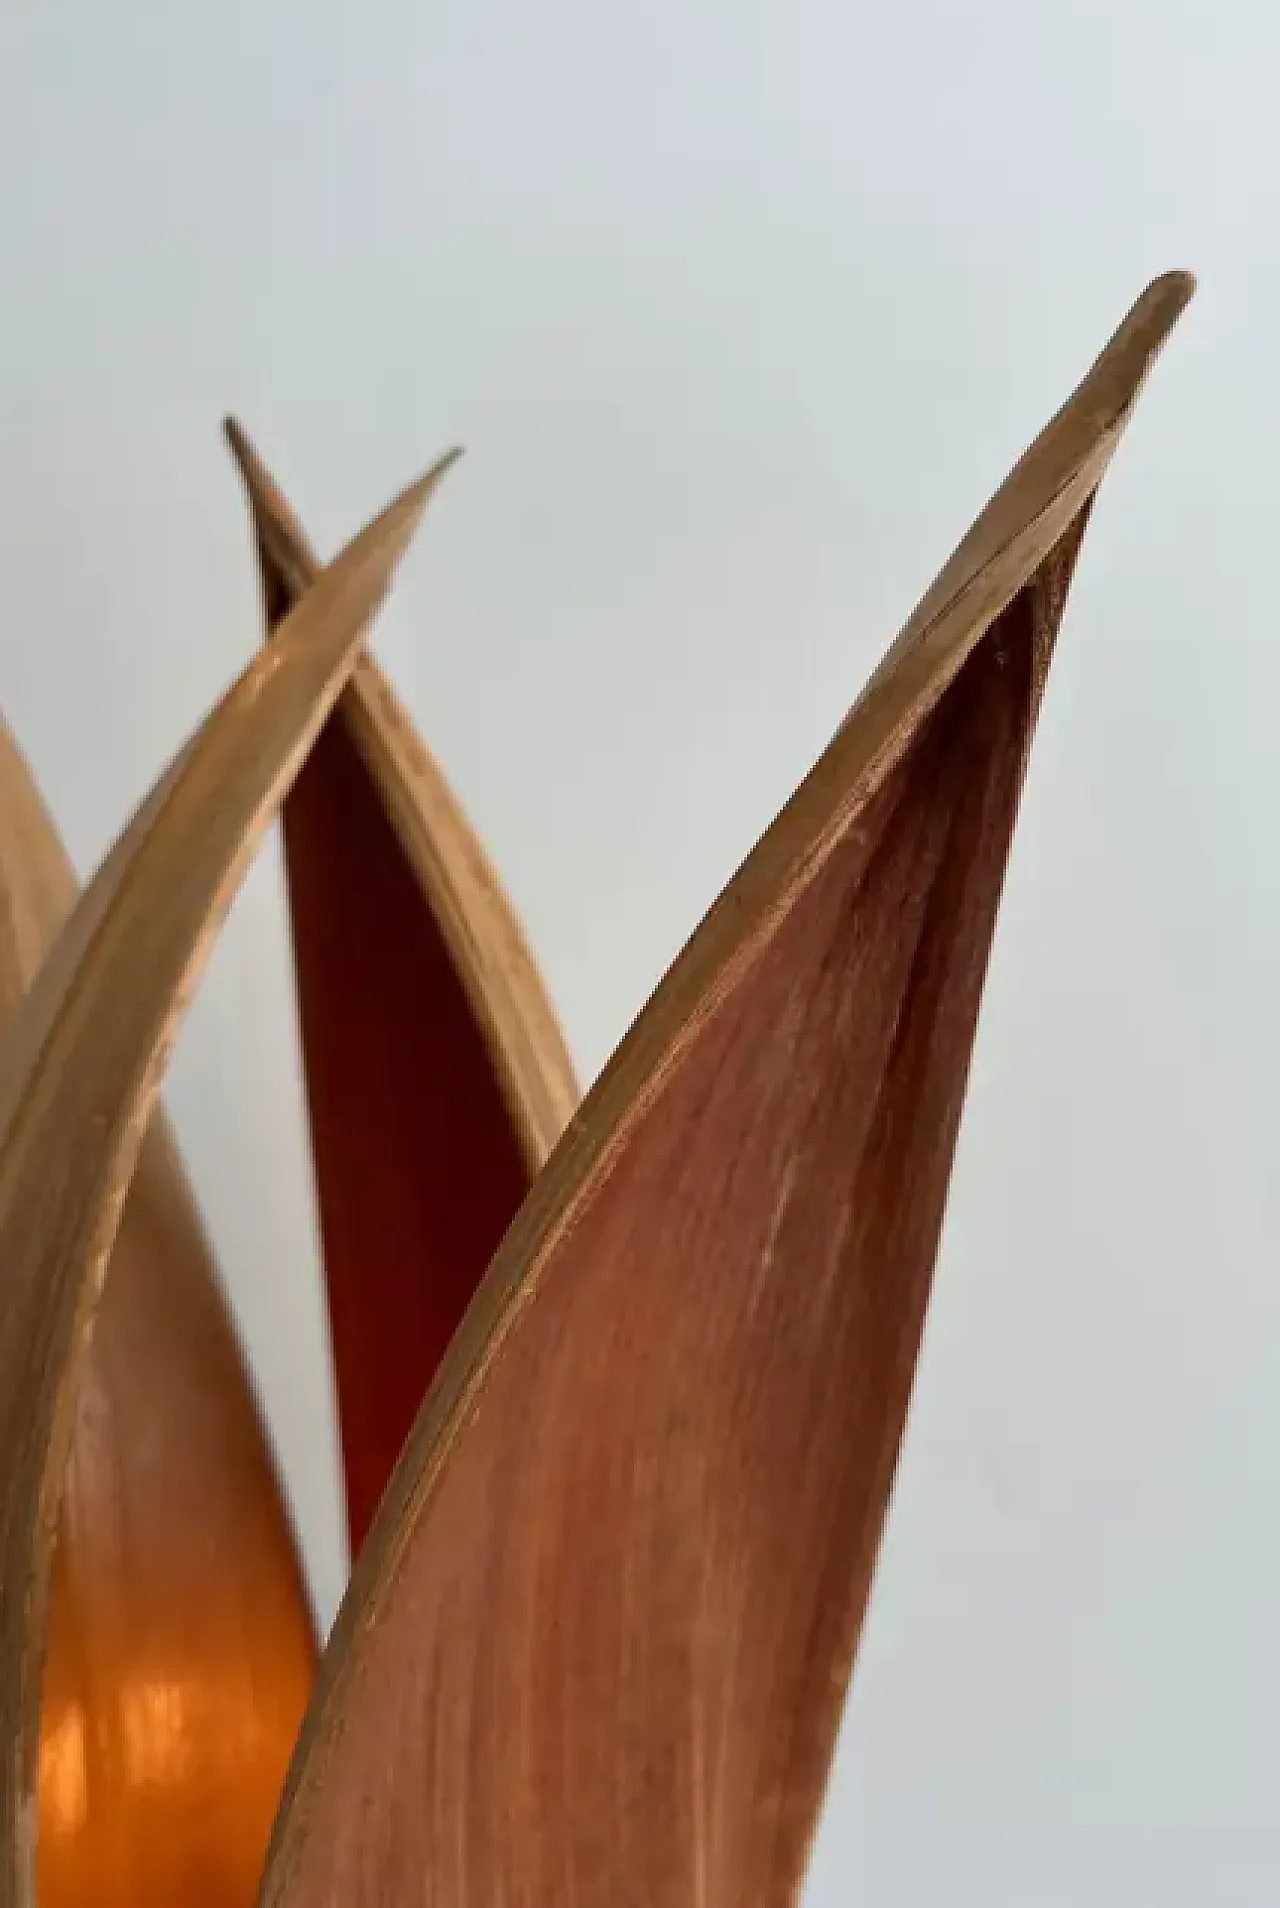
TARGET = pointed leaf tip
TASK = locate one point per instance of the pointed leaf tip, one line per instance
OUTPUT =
(1121, 369)
(1173, 290)
(393, 529)
(244, 452)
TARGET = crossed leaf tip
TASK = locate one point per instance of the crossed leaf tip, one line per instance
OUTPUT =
(392, 898)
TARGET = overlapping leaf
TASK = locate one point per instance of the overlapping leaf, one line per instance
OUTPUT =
(437, 1079)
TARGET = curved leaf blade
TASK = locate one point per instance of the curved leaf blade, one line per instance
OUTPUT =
(597, 1645)
(180, 1647)
(79, 1072)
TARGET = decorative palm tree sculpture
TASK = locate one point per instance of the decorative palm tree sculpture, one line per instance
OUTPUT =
(620, 1387)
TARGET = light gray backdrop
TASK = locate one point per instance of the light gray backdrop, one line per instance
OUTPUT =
(741, 311)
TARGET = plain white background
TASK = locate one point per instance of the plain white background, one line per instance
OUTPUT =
(741, 311)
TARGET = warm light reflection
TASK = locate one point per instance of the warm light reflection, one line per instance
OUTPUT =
(157, 1725)
(64, 1777)
(162, 1728)
(158, 1787)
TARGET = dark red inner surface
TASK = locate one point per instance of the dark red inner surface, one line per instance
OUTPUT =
(418, 1170)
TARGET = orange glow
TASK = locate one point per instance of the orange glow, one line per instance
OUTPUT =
(64, 1776)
